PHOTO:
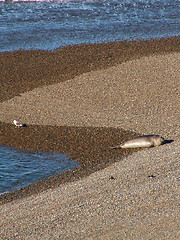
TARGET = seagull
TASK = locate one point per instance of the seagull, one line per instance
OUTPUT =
(17, 124)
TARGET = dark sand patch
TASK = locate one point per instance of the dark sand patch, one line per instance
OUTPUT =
(87, 145)
(22, 71)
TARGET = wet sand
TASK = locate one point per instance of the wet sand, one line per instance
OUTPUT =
(80, 107)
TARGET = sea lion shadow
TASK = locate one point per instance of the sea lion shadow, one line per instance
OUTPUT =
(168, 141)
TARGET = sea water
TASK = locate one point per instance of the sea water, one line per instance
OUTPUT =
(51, 24)
(19, 168)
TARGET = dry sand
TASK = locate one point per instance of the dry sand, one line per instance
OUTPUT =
(129, 206)
(140, 95)
(122, 201)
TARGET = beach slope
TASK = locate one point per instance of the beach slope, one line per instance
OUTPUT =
(135, 197)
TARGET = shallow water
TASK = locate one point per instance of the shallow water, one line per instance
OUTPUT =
(51, 24)
(20, 168)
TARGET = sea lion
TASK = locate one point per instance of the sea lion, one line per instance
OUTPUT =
(145, 141)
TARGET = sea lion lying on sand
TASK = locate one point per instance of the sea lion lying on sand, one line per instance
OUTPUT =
(145, 141)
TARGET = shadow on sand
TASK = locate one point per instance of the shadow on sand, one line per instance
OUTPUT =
(168, 141)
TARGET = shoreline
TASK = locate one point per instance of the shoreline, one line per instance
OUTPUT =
(22, 70)
(87, 145)
(115, 194)
(20, 67)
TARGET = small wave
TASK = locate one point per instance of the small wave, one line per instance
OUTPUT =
(50, 24)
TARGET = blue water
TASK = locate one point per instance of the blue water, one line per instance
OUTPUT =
(20, 168)
(51, 24)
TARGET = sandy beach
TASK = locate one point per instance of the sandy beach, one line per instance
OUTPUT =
(113, 92)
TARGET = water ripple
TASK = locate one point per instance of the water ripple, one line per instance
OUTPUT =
(20, 168)
(48, 25)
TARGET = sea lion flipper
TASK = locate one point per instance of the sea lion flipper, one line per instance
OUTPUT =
(114, 147)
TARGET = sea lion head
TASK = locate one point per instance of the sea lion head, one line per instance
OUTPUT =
(157, 140)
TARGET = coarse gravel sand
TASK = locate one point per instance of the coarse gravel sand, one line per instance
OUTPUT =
(140, 95)
(135, 198)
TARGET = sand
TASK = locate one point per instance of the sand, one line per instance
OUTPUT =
(136, 197)
(119, 202)
(131, 96)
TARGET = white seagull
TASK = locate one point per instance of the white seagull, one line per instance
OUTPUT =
(17, 124)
